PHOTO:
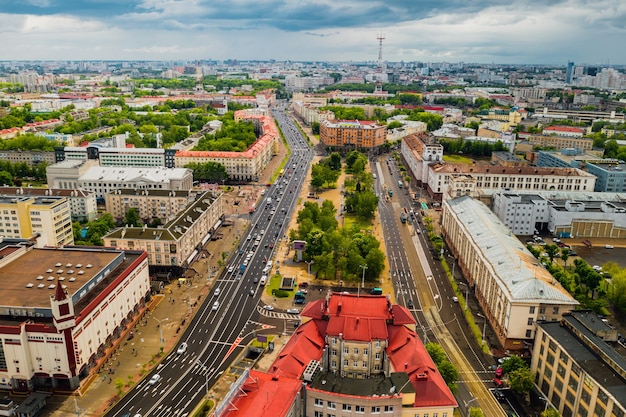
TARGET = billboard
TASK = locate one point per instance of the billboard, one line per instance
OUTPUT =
(299, 245)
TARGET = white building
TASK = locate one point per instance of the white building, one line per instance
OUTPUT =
(521, 213)
(61, 309)
(512, 287)
(82, 202)
(419, 155)
(490, 179)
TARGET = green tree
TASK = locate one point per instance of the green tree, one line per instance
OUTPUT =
(550, 412)
(131, 218)
(315, 128)
(551, 250)
(565, 256)
(513, 363)
(448, 372)
(6, 178)
(521, 381)
(476, 412)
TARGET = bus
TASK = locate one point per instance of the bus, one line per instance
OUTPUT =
(400, 184)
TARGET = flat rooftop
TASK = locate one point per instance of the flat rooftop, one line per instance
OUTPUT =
(375, 385)
(45, 269)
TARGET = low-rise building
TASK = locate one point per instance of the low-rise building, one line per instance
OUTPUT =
(176, 243)
(512, 287)
(577, 367)
(61, 308)
(83, 204)
(31, 158)
(27, 216)
(418, 155)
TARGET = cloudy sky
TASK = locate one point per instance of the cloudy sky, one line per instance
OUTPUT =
(499, 31)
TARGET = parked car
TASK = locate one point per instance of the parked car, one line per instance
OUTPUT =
(293, 311)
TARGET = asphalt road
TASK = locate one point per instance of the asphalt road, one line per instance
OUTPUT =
(224, 323)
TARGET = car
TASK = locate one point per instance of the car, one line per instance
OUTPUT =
(409, 304)
(216, 305)
(271, 246)
(182, 348)
(216, 292)
(231, 268)
(248, 237)
(455, 299)
(293, 311)
(263, 231)
(499, 372)
(155, 378)
(251, 293)
(499, 395)
(256, 279)
(608, 246)
(268, 307)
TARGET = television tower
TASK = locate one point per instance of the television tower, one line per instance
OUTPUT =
(379, 78)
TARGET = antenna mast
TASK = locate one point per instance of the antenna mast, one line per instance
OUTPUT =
(379, 84)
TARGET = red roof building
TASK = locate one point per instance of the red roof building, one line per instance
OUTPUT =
(361, 353)
(568, 131)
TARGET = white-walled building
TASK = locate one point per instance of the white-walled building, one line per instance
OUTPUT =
(61, 308)
(512, 287)
(82, 202)
(521, 213)
(419, 155)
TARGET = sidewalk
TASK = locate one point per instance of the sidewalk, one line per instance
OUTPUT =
(131, 359)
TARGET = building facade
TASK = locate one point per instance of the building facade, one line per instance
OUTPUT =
(60, 311)
(357, 134)
(177, 242)
(82, 202)
(25, 216)
(512, 287)
(418, 155)
(31, 158)
(243, 166)
(150, 204)
(119, 157)
(490, 179)
(577, 368)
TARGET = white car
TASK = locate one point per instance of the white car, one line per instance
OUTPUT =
(293, 311)
(216, 292)
(155, 378)
(182, 348)
(231, 269)
(216, 305)
(268, 307)
(263, 231)
(455, 299)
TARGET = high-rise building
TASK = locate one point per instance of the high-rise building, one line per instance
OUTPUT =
(570, 72)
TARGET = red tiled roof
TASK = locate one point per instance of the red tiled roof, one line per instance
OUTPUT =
(564, 129)
(305, 345)
(407, 353)
(265, 395)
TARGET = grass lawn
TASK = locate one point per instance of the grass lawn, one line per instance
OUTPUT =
(350, 221)
(459, 159)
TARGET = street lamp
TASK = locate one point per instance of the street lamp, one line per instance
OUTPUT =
(364, 267)
(484, 325)
(308, 273)
(161, 330)
(468, 403)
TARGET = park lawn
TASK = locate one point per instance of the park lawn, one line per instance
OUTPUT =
(273, 284)
(350, 221)
(458, 159)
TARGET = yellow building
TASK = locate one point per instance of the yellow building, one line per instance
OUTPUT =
(150, 204)
(28, 216)
(576, 369)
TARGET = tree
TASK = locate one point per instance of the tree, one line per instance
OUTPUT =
(564, 256)
(550, 412)
(448, 372)
(476, 412)
(521, 381)
(551, 250)
(315, 128)
(513, 363)
(6, 178)
(131, 218)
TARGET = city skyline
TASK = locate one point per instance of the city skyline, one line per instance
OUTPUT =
(485, 31)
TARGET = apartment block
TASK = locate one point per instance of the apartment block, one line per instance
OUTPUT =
(357, 134)
(578, 368)
(24, 216)
(83, 205)
(150, 204)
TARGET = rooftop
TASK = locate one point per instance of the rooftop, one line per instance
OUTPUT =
(134, 174)
(508, 170)
(519, 272)
(374, 386)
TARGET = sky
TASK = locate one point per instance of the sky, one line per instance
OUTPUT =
(549, 32)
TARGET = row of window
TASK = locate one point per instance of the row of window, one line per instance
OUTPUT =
(331, 405)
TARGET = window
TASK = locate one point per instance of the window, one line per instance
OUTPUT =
(375, 410)
(346, 407)
(529, 334)
(359, 409)
(318, 414)
(365, 351)
(356, 351)
(334, 352)
(389, 409)
(530, 321)
(532, 310)
(377, 356)
(318, 402)
(346, 350)
(331, 405)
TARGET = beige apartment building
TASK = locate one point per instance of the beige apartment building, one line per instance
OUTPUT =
(512, 287)
(150, 204)
(558, 142)
(24, 216)
(177, 242)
